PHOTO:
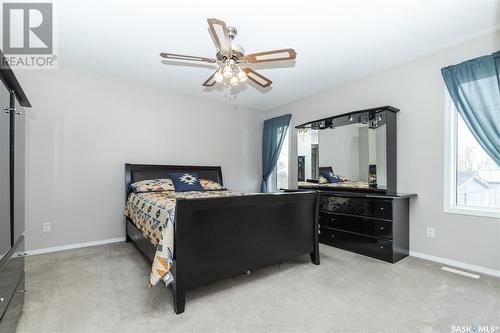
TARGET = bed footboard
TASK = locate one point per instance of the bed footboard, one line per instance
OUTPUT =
(217, 238)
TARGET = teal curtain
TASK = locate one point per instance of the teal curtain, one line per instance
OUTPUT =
(272, 140)
(474, 86)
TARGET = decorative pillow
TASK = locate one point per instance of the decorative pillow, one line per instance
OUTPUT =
(186, 181)
(210, 185)
(152, 185)
(323, 180)
(331, 177)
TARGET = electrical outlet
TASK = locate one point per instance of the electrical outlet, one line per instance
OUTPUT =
(431, 232)
(46, 227)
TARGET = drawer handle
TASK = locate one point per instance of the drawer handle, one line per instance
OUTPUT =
(11, 110)
(22, 291)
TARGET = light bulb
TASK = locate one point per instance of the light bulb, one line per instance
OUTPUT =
(228, 72)
(218, 77)
(234, 81)
(242, 76)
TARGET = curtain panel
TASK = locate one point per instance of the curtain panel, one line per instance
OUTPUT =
(474, 87)
(272, 139)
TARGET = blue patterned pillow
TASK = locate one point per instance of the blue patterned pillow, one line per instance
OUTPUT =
(331, 177)
(186, 181)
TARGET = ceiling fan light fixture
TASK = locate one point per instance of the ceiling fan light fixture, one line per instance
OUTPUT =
(228, 72)
(231, 56)
(242, 76)
(234, 81)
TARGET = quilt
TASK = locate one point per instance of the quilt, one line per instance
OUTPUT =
(153, 213)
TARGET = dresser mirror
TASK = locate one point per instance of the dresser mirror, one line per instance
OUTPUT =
(351, 151)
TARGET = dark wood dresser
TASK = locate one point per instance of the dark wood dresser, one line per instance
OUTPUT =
(376, 225)
(355, 175)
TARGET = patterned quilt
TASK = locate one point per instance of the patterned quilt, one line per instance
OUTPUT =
(153, 213)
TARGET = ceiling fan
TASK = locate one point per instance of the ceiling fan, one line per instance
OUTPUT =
(231, 58)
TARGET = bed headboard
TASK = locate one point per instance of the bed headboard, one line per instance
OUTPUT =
(325, 169)
(137, 172)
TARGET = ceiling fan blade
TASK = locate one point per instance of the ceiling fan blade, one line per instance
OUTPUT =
(210, 81)
(275, 55)
(218, 29)
(257, 78)
(186, 57)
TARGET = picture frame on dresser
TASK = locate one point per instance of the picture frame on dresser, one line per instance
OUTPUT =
(360, 208)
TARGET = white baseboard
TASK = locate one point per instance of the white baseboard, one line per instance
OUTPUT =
(74, 246)
(459, 264)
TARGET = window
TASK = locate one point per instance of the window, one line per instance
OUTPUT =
(282, 165)
(472, 178)
(279, 176)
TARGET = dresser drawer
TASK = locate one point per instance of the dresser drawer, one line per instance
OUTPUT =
(10, 318)
(11, 270)
(356, 206)
(371, 207)
(361, 225)
(382, 209)
(369, 246)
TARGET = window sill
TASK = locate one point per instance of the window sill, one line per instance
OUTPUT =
(480, 212)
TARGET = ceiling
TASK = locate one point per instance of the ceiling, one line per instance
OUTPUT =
(336, 41)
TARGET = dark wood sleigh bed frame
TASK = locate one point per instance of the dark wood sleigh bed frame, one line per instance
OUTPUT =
(218, 238)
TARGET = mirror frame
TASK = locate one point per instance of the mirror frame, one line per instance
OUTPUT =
(366, 116)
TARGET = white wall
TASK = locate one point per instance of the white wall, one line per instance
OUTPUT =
(84, 127)
(417, 89)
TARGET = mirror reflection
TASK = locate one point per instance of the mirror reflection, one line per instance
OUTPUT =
(347, 152)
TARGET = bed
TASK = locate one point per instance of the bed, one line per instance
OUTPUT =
(222, 235)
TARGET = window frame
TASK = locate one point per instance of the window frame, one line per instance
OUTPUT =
(272, 182)
(450, 166)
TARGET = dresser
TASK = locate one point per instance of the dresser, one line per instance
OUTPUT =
(375, 225)
(355, 174)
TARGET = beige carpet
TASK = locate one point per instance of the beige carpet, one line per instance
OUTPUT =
(103, 289)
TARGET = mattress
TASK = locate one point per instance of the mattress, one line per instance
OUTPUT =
(153, 213)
